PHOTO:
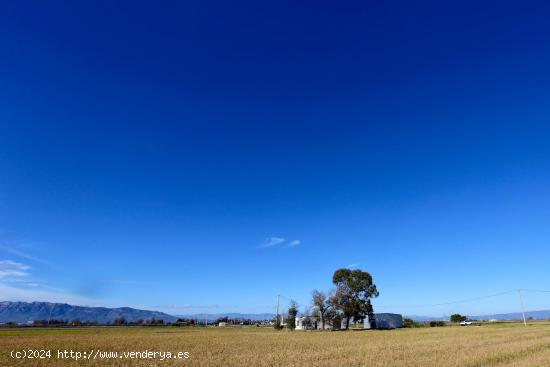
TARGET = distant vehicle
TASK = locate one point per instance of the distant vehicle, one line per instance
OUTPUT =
(465, 323)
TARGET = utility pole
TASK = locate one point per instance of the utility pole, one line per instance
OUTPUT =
(277, 312)
(522, 308)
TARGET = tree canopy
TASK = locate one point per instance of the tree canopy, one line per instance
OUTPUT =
(292, 313)
(321, 305)
(458, 318)
(354, 289)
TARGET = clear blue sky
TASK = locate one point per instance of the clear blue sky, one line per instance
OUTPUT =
(151, 153)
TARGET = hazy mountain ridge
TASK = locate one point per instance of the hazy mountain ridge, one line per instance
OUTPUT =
(537, 315)
(23, 312)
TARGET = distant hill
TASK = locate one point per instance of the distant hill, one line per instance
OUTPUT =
(23, 312)
(537, 315)
(233, 316)
(421, 318)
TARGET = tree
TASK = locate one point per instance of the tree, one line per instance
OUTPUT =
(120, 321)
(354, 289)
(409, 323)
(344, 305)
(292, 312)
(369, 311)
(154, 321)
(458, 318)
(221, 319)
(321, 305)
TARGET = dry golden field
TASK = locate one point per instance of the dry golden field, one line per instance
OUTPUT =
(489, 345)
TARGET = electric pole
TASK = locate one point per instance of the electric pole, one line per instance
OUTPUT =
(277, 312)
(522, 308)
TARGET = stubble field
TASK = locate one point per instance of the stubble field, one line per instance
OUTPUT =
(489, 345)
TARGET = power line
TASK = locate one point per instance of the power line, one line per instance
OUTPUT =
(535, 290)
(285, 297)
(452, 302)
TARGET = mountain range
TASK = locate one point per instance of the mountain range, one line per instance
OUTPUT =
(23, 312)
(536, 315)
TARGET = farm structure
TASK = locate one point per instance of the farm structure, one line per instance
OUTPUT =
(384, 321)
(314, 323)
(381, 321)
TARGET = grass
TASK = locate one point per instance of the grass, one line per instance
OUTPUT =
(489, 345)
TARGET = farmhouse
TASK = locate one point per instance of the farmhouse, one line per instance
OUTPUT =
(314, 323)
(302, 324)
(381, 321)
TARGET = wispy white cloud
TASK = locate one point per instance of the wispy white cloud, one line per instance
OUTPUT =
(128, 282)
(13, 250)
(272, 241)
(351, 266)
(279, 242)
(293, 243)
(17, 284)
(25, 282)
(11, 293)
(10, 268)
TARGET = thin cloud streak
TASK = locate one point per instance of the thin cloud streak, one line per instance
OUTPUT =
(293, 243)
(23, 255)
(9, 293)
(10, 268)
(279, 242)
(272, 241)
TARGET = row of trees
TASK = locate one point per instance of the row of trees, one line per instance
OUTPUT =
(350, 299)
(77, 322)
(410, 323)
(239, 321)
(121, 321)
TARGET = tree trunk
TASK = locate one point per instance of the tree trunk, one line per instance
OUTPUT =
(348, 318)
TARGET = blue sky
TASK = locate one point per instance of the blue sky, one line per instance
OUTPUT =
(206, 156)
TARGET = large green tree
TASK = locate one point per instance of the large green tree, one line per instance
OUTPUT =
(354, 290)
(292, 312)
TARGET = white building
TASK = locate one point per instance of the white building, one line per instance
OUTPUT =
(301, 323)
(314, 323)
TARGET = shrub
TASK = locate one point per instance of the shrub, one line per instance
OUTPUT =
(458, 318)
(407, 322)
